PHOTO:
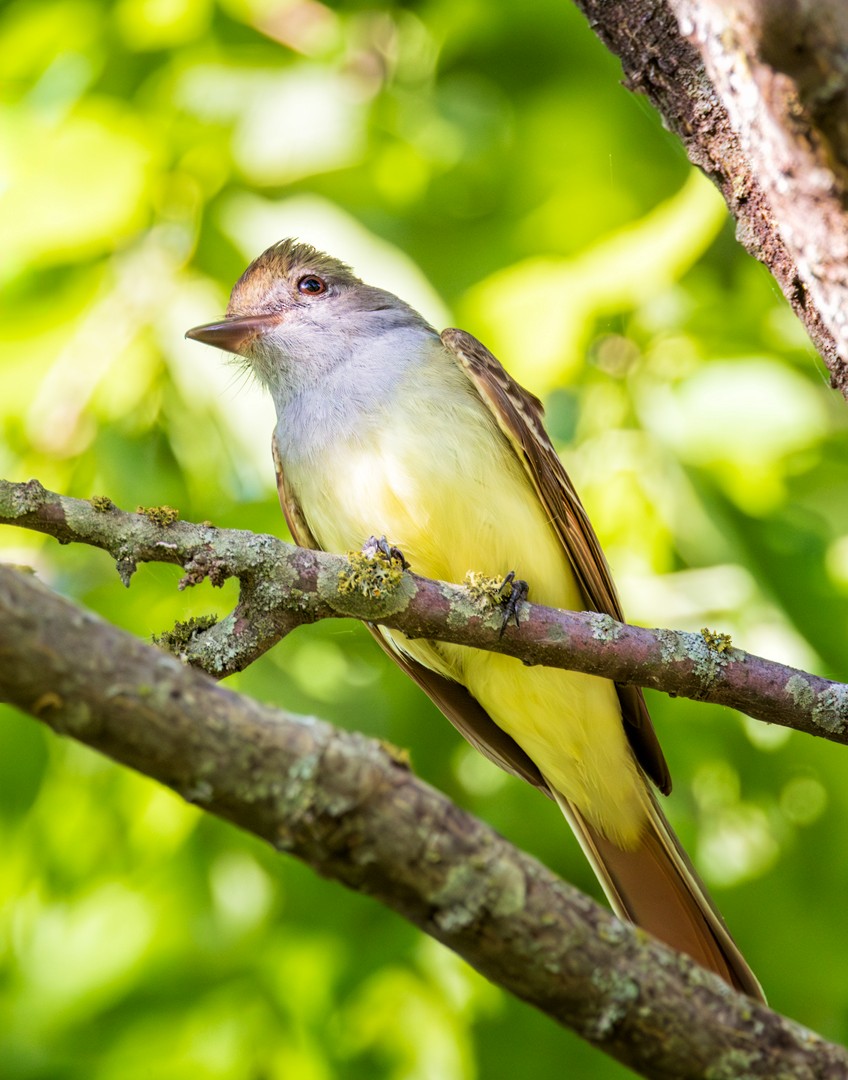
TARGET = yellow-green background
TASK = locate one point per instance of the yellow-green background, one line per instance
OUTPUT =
(483, 160)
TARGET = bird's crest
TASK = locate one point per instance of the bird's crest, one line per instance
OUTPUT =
(283, 264)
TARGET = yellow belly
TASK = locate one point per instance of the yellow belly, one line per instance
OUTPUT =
(457, 504)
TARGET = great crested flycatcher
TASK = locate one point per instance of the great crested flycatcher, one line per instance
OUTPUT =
(386, 427)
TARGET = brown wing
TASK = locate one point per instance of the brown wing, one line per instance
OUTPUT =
(301, 533)
(520, 417)
(464, 712)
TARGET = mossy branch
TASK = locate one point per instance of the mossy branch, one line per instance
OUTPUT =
(351, 810)
(282, 587)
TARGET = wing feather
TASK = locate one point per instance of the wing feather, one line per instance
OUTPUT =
(520, 417)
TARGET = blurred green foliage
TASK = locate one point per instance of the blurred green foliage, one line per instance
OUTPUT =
(480, 160)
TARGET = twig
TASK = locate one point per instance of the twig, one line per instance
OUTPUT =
(282, 586)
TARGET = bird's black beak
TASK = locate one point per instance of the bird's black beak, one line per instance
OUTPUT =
(234, 334)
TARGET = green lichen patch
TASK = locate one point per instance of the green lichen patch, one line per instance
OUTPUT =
(469, 892)
(159, 515)
(372, 576)
(828, 708)
(370, 586)
(102, 504)
(485, 591)
(707, 661)
(671, 646)
(800, 691)
(717, 642)
(619, 994)
(831, 709)
(398, 754)
(604, 627)
(27, 498)
(734, 1065)
(177, 640)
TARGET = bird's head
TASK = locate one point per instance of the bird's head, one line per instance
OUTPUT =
(295, 312)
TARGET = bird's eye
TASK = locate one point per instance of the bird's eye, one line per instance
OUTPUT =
(311, 285)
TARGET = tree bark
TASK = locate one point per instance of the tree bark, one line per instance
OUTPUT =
(352, 811)
(757, 91)
(283, 587)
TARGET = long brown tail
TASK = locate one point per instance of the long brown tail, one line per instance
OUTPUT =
(656, 887)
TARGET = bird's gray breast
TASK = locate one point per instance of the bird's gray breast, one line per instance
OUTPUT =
(355, 397)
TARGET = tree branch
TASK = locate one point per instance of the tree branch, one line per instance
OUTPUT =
(757, 90)
(343, 804)
(282, 587)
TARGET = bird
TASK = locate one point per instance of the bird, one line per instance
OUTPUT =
(386, 427)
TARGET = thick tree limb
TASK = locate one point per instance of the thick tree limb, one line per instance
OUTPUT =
(344, 805)
(757, 90)
(283, 587)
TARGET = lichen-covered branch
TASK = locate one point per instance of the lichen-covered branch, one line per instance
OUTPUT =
(282, 587)
(343, 804)
(757, 90)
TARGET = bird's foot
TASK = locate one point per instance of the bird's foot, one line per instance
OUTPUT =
(513, 592)
(373, 547)
(375, 571)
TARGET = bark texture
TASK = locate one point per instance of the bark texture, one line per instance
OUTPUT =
(757, 90)
(346, 806)
(282, 587)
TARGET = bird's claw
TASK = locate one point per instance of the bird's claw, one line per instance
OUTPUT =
(512, 600)
(373, 546)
